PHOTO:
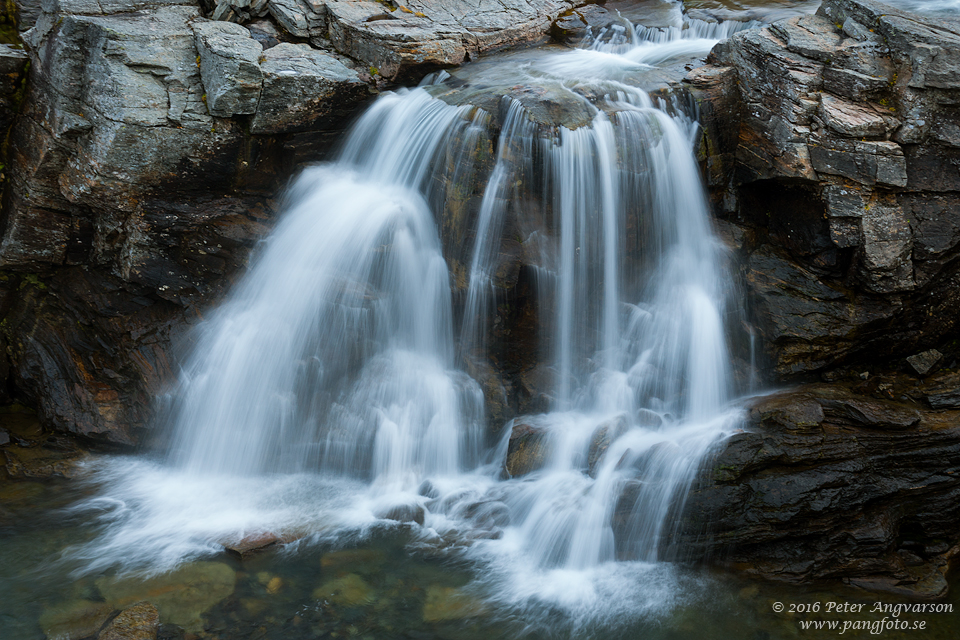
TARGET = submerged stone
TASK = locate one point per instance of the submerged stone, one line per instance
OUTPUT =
(362, 561)
(450, 603)
(181, 596)
(351, 590)
(139, 622)
(74, 620)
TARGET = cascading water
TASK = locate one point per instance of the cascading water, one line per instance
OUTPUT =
(326, 391)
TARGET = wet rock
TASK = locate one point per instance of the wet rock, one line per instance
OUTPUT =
(4, 437)
(837, 499)
(571, 28)
(139, 622)
(427, 490)
(350, 591)
(181, 596)
(923, 363)
(450, 603)
(250, 545)
(229, 67)
(489, 514)
(404, 513)
(319, 87)
(528, 447)
(605, 433)
(74, 620)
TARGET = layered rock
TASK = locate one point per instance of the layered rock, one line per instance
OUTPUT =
(827, 482)
(827, 140)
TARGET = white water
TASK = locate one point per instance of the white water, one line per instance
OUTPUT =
(929, 7)
(326, 390)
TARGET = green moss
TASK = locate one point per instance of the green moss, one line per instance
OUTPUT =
(31, 279)
(8, 23)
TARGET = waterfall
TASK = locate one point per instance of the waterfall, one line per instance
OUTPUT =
(330, 387)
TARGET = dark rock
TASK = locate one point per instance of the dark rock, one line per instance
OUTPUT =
(139, 622)
(12, 64)
(603, 436)
(528, 447)
(841, 498)
(923, 363)
(827, 140)
(942, 391)
(405, 513)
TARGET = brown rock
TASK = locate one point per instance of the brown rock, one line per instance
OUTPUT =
(139, 622)
(528, 447)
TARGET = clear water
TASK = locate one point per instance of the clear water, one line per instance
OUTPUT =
(329, 393)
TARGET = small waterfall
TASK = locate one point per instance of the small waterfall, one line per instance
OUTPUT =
(330, 386)
(337, 351)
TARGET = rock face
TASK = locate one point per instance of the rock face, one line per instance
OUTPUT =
(829, 483)
(827, 141)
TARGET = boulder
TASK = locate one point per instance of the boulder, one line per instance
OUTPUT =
(528, 447)
(229, 67)
(304, 88)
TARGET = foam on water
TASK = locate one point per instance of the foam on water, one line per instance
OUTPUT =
(328, 390)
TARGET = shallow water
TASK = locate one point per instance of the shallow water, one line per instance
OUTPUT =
(386, 587)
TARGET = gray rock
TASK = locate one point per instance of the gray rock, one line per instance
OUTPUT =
(301, 18)
(924, 362)
(229, 67)
(304, 88)
(854, 120)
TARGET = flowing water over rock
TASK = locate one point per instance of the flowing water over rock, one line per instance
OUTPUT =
(325, 396)
(327, 399)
